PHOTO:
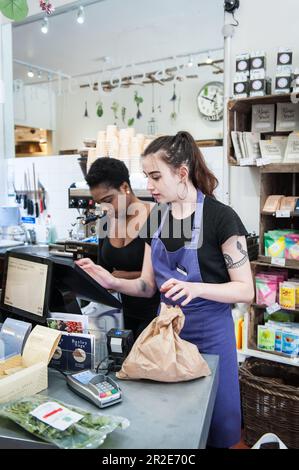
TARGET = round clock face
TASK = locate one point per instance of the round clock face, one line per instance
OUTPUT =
(210, 101)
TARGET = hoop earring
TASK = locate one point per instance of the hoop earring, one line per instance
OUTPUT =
(186, 191)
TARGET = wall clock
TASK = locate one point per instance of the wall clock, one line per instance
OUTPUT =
(210, 101)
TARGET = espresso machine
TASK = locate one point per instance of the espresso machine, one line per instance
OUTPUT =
(83, 235)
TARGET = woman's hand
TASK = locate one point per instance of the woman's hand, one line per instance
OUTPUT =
(99, 274)
(175, 289)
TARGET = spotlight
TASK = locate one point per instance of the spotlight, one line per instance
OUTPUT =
(80, 15)
(209, 60)
(30, 73)
(190, 61)
(45, 25)
(39, 74)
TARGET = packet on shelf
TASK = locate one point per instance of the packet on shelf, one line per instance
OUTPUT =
(266, 289)
(272, 203)
(288, 203)
(292, 246)
(274, 245)
(287, 295)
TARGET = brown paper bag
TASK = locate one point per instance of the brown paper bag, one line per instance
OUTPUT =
(160, 354)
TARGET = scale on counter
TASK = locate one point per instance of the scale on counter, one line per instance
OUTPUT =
(100, 389)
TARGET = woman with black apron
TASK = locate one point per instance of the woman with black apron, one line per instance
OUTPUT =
(198, 260)
(121, 252)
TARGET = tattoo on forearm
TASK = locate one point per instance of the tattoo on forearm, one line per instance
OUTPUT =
(143, 285)
(229, 261)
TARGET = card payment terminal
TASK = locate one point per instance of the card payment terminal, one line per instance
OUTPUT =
(100, 389)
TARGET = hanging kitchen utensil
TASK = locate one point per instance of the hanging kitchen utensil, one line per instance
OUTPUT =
(36, 205)
(153, 98)
(86, 111)
(25, 195)
(115, 108)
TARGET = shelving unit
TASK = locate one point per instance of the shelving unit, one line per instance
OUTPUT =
(275, 179)
(239, 119)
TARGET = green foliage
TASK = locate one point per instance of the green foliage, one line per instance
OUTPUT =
(15, 10)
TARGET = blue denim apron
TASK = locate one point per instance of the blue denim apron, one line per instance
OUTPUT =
(208, 324)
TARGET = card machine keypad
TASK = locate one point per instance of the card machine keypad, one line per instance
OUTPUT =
(97, 388)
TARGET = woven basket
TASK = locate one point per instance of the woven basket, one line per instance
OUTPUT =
(270, 401)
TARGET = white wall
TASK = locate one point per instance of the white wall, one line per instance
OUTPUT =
(263, 25)
(35, 106)
(73, 127)
(57, 173)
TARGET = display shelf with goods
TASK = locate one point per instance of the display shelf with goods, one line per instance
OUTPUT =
(240, 113)
(284, 181)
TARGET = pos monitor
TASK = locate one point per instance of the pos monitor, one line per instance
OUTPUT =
(36, 284)
(26, 286)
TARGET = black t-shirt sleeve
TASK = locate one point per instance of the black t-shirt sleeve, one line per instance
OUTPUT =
(228, 224)
(152, 224)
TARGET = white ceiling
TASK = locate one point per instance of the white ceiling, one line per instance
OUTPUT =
(127, 31)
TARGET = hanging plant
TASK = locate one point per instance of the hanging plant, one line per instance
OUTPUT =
(123, 114)
(17, 10)
(86, 110)
(174, 97)
(115, 107)
(131, 122)
(100, 110)
(138, 100)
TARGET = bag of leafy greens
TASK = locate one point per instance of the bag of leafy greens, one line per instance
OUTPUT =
(65, 426)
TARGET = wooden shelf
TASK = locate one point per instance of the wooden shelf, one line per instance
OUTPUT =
(280, 168)
(273, 214)
(242, 104)
(266, 261)
(264, 307)
(271, 356)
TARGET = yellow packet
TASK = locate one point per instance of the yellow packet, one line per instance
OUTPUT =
(287, 296)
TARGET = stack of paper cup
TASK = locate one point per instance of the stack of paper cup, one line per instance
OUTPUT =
(111, 131)
(91, 157)
(147, 141)
(113, 147)
(135, 165)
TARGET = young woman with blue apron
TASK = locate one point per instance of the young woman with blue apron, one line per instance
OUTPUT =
(208, 324)
(210, 265)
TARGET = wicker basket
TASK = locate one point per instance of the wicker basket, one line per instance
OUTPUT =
(270, 401)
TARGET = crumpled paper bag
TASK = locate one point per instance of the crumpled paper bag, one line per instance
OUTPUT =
(160, 354)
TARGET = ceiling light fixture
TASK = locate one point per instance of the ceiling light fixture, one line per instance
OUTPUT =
(39, 74)
(209, 60)
(80, 15)
(190, 61)
(45, 25)
(30, 73)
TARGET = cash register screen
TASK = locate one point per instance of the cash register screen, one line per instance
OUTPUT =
(26, 286)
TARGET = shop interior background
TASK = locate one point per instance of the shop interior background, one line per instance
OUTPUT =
(176, 26)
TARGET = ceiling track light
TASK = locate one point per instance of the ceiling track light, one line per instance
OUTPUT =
(45, 25)
(209, 60)
(30, 73)
(190, 61)
(39, 74)
(80, 15)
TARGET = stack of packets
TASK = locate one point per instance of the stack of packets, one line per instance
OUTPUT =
(282, 244)
(267, 287)
(280, 333)
(27, 374)
(76, 348)
(278, 202)
(279, 338)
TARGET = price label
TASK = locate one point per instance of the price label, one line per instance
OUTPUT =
(278, 261)
(283, 214)
(247, 161)
(263, 161)
(273, 308)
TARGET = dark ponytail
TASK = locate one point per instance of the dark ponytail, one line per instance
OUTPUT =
(182, 149)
